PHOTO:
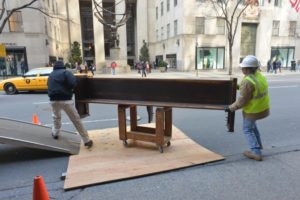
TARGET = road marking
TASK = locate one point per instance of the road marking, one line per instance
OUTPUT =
(38, 103)
(89, 121)
(285, 80)
(288, 86)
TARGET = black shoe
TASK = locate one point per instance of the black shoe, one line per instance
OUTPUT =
(55, 137)
(89, 144)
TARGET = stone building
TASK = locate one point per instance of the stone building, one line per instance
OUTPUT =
(269, 30)
(182, 33)
(39, 38)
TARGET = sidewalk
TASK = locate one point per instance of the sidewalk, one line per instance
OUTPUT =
(192, 75)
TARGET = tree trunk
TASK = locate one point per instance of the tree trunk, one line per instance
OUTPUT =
(230, 59)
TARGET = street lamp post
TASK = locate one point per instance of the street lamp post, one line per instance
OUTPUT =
(196, 57)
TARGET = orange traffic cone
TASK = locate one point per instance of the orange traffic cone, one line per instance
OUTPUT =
(35, 119)
(39, 190)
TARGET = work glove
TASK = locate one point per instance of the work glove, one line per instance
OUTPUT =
(226, 108)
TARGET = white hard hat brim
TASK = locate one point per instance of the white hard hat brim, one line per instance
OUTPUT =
(242, 65)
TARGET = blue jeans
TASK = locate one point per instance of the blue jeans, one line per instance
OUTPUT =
(252, 136)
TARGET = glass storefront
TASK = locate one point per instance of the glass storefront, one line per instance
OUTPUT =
(171, 60)
(15, 62)
(284, 54)
(210, 57)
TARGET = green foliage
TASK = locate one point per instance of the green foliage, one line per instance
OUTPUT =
(75, 54)
(144, 52)
(67, 65)
(162, 63)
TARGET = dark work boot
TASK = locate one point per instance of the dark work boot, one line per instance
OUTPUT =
(89, 144)
(55, 137)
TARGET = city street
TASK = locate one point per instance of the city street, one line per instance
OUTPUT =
(276, 178)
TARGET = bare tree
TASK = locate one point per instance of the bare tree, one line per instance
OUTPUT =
(231, 11)
(4, 18)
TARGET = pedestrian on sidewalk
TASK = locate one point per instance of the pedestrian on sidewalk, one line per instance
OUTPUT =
(254, 100)
(269, 65)
(144, 66)
(274, 65)
(293, 65)
(113, 66)
(278, 65)
(61, 84)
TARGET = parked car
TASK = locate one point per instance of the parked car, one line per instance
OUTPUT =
(33, 80)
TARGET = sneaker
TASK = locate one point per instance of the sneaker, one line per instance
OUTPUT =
(89, 144)
(251, 155)
(55, 137)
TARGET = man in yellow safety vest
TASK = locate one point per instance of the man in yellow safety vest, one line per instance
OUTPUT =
(254, 100)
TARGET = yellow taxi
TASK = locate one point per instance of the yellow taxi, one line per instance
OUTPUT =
(33, 80)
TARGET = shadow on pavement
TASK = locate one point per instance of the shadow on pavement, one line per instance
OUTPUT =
(9, 154)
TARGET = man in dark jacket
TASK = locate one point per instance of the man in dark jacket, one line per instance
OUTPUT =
(61, 83)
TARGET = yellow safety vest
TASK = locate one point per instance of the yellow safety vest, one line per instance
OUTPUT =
(260, 100)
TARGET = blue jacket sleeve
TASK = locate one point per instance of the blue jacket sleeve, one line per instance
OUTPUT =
(70, 79)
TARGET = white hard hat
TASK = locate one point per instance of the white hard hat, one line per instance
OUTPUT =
(250, 61)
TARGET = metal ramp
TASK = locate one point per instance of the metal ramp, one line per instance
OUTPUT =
(36, 136)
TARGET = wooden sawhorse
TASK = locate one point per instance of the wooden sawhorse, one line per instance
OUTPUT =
(160, 135)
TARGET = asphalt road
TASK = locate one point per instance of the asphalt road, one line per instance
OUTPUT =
(277, 177)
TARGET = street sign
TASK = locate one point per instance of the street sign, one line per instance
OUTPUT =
(2, 51)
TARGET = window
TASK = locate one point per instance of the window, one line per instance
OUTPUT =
(55, 33)
(210, 57)
(157, 35)
(56, 8)
(168, 30)
(59, 34)
(284, 54)
(261, 2)
(15, 22)
(275, 31)
(292, 28)
(220, 26)
(175, 28)
(46, 27)
(277, 3)
(53, 9)
(171, 60)
(162, 33)
(161, 8)
(168, 5)
(242, 2)
(50, 27)
(200, 22)
(175, 3)
(156, 12)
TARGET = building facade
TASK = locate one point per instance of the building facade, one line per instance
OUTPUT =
(184, 29)
(185, 34)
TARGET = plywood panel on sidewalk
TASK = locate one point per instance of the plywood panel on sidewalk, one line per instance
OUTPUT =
(35, 136)
(108, 160)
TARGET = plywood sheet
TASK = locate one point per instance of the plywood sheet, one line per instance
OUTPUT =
(108, 160)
